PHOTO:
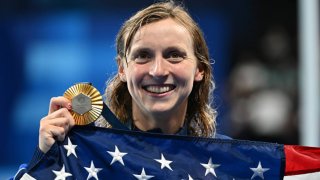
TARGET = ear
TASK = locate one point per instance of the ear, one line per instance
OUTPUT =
(198, 76)
(121, 70)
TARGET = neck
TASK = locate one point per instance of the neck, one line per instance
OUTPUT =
(168, 122)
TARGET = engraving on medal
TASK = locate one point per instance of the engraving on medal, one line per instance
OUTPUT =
(81, 104)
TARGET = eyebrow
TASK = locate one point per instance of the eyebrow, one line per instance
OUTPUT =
(175, 48)
(134, 51)
(140, 49)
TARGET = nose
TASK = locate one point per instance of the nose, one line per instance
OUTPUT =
(159, 67)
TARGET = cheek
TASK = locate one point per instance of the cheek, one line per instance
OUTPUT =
(186, 74)
(134, 76)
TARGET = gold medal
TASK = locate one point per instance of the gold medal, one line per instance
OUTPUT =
(86, 103)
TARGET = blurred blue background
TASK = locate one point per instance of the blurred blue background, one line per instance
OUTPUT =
(47, 46)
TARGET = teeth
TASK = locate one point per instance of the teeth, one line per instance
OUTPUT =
(158, 89)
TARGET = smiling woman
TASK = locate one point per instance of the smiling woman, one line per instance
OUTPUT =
(164, 80)
(160, 86)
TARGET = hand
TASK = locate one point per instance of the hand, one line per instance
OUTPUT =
(56, 124)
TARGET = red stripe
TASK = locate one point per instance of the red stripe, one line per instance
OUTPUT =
(301, 159)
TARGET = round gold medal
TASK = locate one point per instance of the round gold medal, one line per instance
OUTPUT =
(86, 103)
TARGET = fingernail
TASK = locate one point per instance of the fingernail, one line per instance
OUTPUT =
(69, 106)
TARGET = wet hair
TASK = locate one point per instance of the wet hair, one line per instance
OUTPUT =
(200, 116)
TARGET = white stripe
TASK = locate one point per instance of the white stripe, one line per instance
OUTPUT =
(26, 176)
(309, 176)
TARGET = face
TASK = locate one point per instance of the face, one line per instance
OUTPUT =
(161, 68)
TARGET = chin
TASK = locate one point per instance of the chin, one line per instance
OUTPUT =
(158, 110)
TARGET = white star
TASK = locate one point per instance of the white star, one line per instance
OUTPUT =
(70, 148)
(62, 174)
(117, 155)
(259, 171)
(210, 167)
(164, 162)
(93, 171)
(190, 178)
(143, 175)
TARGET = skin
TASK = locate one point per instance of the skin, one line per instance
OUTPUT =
(56, 124)
(160, 73)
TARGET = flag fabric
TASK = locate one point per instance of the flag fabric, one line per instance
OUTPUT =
(302, 162)
(99, 153)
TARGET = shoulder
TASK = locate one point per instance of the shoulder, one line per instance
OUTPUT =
(220, 136)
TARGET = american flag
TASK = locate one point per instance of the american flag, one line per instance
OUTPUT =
(90, 152)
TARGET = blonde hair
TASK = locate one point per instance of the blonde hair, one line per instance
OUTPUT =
(200, 117)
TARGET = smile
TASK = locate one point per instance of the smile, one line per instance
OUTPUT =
(158, 89)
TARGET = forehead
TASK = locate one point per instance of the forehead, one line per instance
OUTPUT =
(163, 32)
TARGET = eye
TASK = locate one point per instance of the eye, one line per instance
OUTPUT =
(175, 56)
(142, 57)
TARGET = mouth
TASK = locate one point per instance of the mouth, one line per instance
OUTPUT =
(159, 89)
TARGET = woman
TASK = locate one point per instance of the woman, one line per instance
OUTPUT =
(164, 79)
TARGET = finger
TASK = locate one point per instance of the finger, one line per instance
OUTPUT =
(48, 135)
(61, 113)
(58, 133)
(58, 102)
(46, 130)
(70, 118)
(60, 122)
